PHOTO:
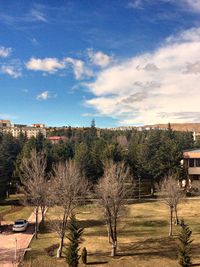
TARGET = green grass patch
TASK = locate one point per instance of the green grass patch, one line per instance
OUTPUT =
(18, 212)
(4, 209)
(143, 236)
(12, 209)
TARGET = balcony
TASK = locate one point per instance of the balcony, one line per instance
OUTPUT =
(194, 170)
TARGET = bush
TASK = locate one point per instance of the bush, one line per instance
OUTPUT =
(184, 247)
(84, 255)
(51, 249)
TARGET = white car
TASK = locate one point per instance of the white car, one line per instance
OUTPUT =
(20, 225)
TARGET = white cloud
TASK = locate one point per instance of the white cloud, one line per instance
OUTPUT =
(161, 86)
(191, 35)
(136, 4)
(99, 58)
(5, 51)
(36, 15)
(79, 67)
(34, 41)
(46, 95)
(11, 71)
(186, 5)
(194, 4)
(43, 96)
(50, 65)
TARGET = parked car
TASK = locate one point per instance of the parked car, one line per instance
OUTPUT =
(20, 225)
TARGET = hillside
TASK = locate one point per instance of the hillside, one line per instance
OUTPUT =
(193, 127)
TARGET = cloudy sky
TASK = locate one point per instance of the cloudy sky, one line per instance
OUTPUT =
(122, 62)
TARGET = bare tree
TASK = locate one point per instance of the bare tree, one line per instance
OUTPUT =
(172, 194)
(35, 183)
(68, 189)
(112, 192)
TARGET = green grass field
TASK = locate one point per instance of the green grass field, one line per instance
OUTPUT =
(143, 236)
(9, 211)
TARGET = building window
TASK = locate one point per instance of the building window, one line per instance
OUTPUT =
(191, 162)
(197, 162)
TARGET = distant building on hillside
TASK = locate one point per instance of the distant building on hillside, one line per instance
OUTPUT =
(17, 129)
(196, 135)
(5, 123)
(28, 131)
(191, 160)
(56, 139)
(38, 125)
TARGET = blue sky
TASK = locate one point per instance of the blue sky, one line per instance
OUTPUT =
(122, 62)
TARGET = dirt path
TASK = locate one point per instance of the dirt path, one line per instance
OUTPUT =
(14, 244)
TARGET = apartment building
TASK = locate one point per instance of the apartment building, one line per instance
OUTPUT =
(5, 123)
(17, 129)
(191, 160)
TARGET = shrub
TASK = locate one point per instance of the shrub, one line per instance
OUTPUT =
(184, 247)
(84, 255)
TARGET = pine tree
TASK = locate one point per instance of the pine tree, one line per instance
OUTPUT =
(184, 247)
(74, 236)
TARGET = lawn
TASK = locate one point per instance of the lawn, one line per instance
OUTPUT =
(11, 209)
(143, 236)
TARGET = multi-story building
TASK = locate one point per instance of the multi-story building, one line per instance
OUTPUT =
(5, 123)
(17, 129)
(196, 135)
(191, 160)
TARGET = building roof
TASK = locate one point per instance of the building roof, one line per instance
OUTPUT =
(5, 121)
(55, 138)
(192, 153)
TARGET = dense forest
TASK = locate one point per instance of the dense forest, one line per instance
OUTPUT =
(150, 154)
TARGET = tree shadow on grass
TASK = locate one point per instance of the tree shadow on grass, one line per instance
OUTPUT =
(90, 223)
(97, 262)
(163, 247)
(100, 258)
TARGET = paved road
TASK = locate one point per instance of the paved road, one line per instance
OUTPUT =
(10, 241)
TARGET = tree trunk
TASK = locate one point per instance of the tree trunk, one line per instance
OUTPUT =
(152, 188)
(108, 230)
(176, 216)
(43, 211)
(171, 220)
(114, 249)
(36, 222)
(115, 230)
(59, 251)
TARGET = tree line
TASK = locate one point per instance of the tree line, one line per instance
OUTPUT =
(150, 155)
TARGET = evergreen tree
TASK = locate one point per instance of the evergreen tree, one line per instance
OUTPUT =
(62, 151)
(84, 255)
(89, 161)
(92, 133)
(9, 149)
(74, 236)
(39, 142)
(184, 247)
(69, 132)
